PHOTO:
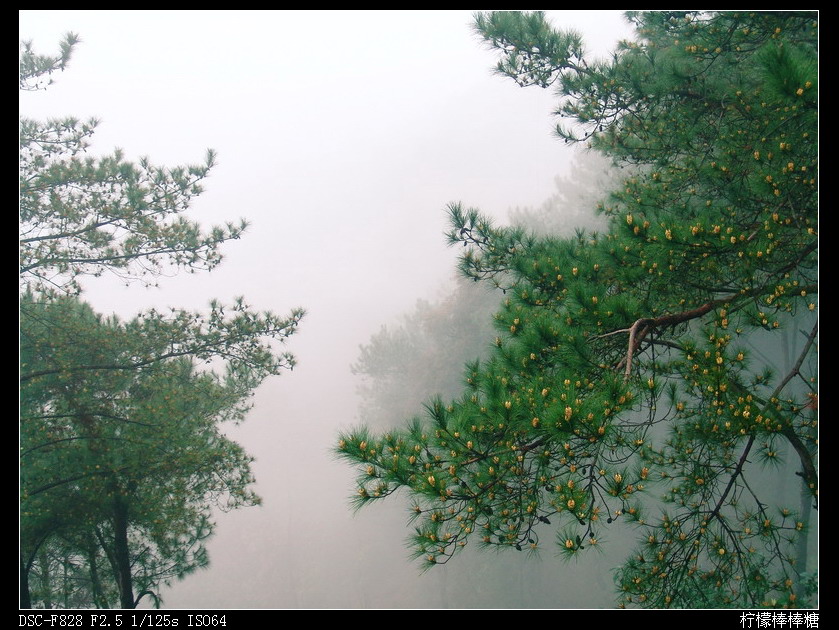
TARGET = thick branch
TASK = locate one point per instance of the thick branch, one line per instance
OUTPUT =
(642, 327)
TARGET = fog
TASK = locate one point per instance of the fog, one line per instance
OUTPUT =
(341, 138)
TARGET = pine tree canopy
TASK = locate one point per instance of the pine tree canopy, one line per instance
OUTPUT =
(662, 373)
(83, 215)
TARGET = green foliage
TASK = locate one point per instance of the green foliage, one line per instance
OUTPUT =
(83, 215)
(123, 455)
(533, 50)
(33, 67)
(96, 437)
(631, 372)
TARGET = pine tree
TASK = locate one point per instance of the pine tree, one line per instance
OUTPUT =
(637, 373)
(123, 457)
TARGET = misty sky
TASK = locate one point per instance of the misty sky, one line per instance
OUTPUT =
(341, 137)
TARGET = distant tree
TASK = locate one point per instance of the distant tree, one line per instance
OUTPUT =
(572, 208)
(122, 452)
(635, 374)
(404, 363)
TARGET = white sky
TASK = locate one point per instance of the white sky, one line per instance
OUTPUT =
(341, 136)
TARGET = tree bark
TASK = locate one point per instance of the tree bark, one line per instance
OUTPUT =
(25, 597)
(95, 581)
(122, 556)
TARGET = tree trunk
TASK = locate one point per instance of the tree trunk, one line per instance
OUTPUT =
(25, 597)
(95, 581)
(46, 585)
(121, 555)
